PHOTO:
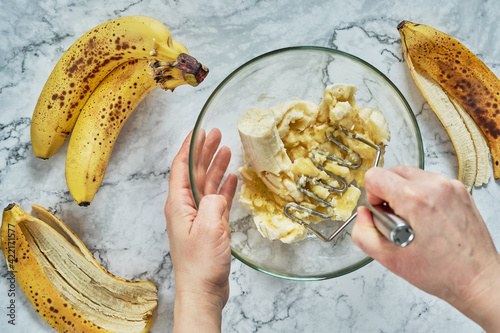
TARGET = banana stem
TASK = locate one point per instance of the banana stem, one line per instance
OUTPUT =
(185, 68)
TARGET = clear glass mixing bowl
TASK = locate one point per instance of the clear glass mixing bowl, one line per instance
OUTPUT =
(301, 73)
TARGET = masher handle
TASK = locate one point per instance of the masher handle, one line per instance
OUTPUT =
(393, 227)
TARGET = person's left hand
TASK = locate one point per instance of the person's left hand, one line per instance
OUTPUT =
(199, 236)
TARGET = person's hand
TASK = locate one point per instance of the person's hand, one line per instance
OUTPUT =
(452, 256)
(199, 236)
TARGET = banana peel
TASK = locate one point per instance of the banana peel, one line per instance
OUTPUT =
(483, 170)
(453, 121)
(66, 285)
(463, 92)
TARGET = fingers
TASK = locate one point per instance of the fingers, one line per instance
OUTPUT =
(381, 184)
(208, 171)
(211, 173)
(217, 170)
(389, 186)
(180, 203)
(408, 172)
(210, 147)
(198, 147)
(229, 188)
(179, 174)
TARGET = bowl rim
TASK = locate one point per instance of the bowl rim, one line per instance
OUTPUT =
(228, 78)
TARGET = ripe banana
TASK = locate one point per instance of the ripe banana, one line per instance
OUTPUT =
(464, 88)
(260, 132)
(259, 135)
(99, 124)
(284, 147)
(68, 288)
(90, 59)
(270, 177)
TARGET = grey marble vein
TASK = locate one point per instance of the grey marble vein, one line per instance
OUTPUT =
(124, 227)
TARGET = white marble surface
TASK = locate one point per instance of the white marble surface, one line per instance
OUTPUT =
(124, 227)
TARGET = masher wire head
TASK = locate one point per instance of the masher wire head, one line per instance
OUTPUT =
(304, 180)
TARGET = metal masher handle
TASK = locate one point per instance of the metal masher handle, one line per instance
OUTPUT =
(393, 227)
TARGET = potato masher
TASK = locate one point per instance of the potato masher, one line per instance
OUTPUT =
(388, 224)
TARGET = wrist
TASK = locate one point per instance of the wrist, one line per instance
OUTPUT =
(197, 312)
(482, 300)
(190, 286)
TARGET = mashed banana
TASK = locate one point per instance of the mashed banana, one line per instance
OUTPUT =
(278, 143)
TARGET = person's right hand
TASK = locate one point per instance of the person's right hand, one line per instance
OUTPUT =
(452, 256)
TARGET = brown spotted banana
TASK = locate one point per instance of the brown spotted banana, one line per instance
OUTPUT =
(90, 59)
(99, 124)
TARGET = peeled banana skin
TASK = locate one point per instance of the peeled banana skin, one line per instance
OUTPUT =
(30, 277)
(461, 74)
(470, 146)
(453, 124)
(483, 171)
(99, 124)
(67, 287)
(89, 60)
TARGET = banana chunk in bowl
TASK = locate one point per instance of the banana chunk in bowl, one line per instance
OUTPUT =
(278, 143)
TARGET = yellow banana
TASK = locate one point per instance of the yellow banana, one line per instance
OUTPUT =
(68, 288)
(462, 92)
(99, 124)
(89, 60)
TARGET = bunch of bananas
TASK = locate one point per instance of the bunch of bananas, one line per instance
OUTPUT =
(96, 85)
(463, 92)
(91, 92)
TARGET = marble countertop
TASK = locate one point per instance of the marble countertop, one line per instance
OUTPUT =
(124, 227)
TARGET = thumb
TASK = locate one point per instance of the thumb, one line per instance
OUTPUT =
(211, 212)
(366, 236)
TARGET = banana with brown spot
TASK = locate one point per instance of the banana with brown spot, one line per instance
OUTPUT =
(89, 60)
(67, 287)
(99, 125)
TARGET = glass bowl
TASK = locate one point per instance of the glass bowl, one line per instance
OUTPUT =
(301, 73)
